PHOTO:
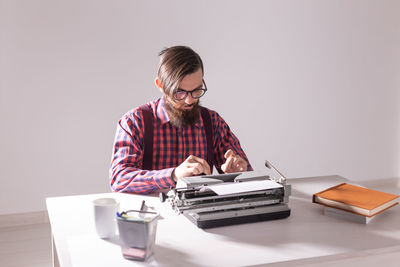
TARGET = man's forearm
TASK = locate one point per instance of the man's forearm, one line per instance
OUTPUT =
(141, 181)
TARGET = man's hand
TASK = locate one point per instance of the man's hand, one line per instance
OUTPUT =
(191, 166)
(233, 163)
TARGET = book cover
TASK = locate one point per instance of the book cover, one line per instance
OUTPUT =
(356, 199)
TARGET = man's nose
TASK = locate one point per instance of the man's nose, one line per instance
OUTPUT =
(189, 99)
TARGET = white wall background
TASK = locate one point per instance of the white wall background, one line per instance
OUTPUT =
(313, 86)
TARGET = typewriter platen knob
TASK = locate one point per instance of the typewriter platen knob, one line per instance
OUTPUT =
(162, 196)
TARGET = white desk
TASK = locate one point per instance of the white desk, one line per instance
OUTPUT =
(307, 237)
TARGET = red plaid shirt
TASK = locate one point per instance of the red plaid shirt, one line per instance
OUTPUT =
(171, 146)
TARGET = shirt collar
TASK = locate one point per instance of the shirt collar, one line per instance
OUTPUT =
(162, 114)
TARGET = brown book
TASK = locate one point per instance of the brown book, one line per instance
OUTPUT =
(356, 199)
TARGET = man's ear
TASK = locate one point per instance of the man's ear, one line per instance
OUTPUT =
(158, 84)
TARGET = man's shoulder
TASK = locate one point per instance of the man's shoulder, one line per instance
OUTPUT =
(135, 115)
(211, 111)
(214, 114)
(137, 111)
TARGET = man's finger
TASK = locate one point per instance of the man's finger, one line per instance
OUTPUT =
(229, 153)
(192, 171)
(240, 161)
(236, 161)
(200, 167)
(238, 164)
(207, 169)
(193, 158)
(204, 163)
(229, 163)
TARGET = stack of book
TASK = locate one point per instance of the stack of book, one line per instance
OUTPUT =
(354, 203)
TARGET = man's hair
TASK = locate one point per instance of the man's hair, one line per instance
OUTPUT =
(175, 63)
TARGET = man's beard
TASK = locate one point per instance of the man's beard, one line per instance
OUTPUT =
(181, 117)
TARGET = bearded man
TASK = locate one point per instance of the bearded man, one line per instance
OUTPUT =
(173, 137)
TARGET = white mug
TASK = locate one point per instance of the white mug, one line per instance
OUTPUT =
(105, 210)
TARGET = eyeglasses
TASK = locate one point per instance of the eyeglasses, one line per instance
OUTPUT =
(181, 94)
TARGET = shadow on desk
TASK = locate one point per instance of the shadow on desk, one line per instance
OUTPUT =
(162, 254)
(167, 255)
(307, 226)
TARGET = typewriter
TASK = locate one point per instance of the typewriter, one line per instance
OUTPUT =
(234, 198)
